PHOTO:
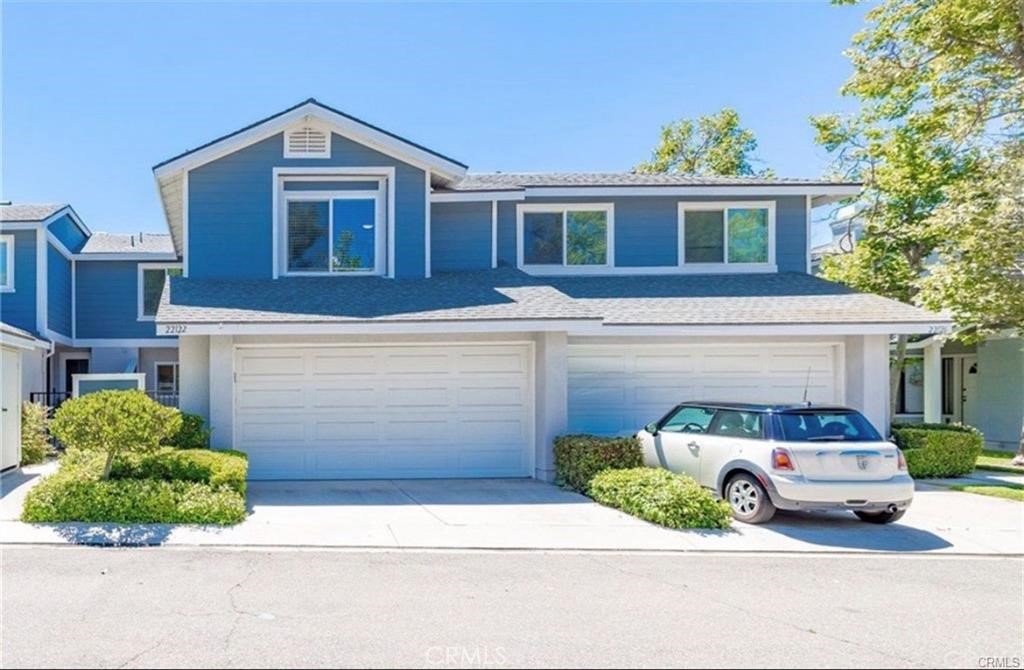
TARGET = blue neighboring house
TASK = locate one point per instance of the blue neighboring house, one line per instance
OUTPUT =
(347, 303)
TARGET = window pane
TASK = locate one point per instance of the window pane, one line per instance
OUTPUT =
(827, 427)
(748, 235)
(355, 234)
(152, 287)
(689, 420)
(307, 236)
(542, 238)
(587, 234)
(3, 263)
(733, 423)
(705, 236)
(166, 378)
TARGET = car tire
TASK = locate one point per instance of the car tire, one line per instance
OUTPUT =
(881, 517)
(748, 499)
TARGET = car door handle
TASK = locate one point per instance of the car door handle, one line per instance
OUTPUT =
(693, 445)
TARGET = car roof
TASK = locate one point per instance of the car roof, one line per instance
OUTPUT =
(775, 408)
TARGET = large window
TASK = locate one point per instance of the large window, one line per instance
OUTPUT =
(566, 235)
(739, 233)
(334, 233)
(6, 262)
(151, 286)
(165, 377)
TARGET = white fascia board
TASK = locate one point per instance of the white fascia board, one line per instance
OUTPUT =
(390, 327)
(22, 342)
(479, 196)
(838, 191)
(143, 257)
(764, 329)
(131, 343)
(59, 338)
(339, 124)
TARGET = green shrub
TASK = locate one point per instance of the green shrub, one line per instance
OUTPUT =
(76, 494)
(579, 457)
(35, 440)
(193, 433)
(938, 449)
(216, 468)
(661, 497)
(113, 423)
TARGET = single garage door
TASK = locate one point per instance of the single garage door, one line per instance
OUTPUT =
(617, 389)
(384, 411)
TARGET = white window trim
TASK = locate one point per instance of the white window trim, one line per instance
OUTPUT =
(313, 125)
(386, 178)
(564, 208)
(138, 377)
(725, 206)
(177, 376)
(379, 242)
(9, 286)
(140, 293)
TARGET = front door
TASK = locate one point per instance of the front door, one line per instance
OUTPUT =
(74, 366)
(10, 403)
(969, 389)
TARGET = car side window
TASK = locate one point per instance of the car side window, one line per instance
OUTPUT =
(688, 419)
(734, 423)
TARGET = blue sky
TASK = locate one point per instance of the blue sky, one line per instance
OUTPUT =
(95, 94)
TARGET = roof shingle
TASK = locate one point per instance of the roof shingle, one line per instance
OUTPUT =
(143, 243)
(28, 213)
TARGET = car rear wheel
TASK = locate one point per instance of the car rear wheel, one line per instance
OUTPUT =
(748, 499)
(881, 517)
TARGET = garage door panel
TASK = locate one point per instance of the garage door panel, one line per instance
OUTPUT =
(616, 389)
(344, 398)
(416, 363)
(491, 396)
(270, 398)
(278, 365)
(511, 363)
(417, 396)
(492, 430)
(340, 431)
(271, 429)
(348, 365)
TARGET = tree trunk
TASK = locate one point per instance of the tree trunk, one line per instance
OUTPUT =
(895, 370)
(108, 464)
(1019, 458)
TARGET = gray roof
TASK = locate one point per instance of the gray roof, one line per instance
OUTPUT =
(28, 213)
(142, 243)
(506, 293)
(508, 181)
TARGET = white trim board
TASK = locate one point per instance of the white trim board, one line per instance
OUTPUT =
(478, 196)
(138, 377)
(822, 194)
(129, 343)
(8, 287)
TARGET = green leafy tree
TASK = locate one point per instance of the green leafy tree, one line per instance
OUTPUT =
(712, 145)
(114, 422)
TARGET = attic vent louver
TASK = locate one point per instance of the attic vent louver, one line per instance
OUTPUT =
(307, 142)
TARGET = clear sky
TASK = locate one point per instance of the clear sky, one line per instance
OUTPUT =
(95, 94)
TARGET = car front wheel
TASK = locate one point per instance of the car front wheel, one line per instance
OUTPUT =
(881, 517)
(748, 499)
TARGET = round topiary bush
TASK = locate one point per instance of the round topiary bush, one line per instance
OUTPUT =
(939, 449)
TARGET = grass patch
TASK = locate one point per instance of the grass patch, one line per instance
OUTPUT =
(1007, 491)
(998, 461)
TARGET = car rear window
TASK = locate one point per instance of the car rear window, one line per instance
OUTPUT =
(827, 427)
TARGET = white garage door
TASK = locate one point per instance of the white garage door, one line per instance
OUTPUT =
(384, 412)
(616, 389)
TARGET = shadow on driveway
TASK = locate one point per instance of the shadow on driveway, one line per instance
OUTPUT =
(841, 531)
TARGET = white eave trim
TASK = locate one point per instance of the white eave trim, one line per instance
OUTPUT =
(764, 329)
(337, 123)
(114, 256)
(22, 341)
(818, 192)
(478, 196)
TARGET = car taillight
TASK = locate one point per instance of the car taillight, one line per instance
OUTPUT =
(902, 462)
(782, 460)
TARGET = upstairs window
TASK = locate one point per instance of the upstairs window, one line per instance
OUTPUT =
(566, 235)
(738, 233)
(334, 233)
(6, 262)
(151, 286)
(307, 142)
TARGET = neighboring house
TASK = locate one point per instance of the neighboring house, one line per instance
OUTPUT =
(90, 297)
(354, 304)
(946, 381)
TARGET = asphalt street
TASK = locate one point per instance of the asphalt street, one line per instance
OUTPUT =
(187, 607)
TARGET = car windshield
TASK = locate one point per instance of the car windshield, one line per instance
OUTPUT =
(827, 426)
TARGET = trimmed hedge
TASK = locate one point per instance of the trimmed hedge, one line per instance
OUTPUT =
(578, 458)
(193, 434)
(938, 449)
(35, 438)
(661, 497)
(216, 468)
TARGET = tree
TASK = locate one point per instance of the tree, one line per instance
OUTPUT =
(714, 145)
(114, 422)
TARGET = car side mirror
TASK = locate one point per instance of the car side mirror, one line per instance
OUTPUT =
(652, 428)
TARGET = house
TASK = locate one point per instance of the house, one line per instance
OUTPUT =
(90, 297)
(945, 380)
(353, 304)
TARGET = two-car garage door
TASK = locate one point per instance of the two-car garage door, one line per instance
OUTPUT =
(385, 411)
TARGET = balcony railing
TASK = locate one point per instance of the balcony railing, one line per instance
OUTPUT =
(53, 399)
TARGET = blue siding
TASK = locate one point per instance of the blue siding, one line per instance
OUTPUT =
(18, 307)
(68, 232)
(507, 233)
(230, 202)
(58, 299)
(107, 301)
(460, 236)
(647, 229)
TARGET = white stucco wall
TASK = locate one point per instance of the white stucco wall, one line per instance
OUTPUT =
(194, 375)
(552, 399)
(867, 378)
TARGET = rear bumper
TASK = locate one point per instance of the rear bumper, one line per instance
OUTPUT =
(797, 493)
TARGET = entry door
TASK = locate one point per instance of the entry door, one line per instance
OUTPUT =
(74, 366)
(10, 417)
(969, 389)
